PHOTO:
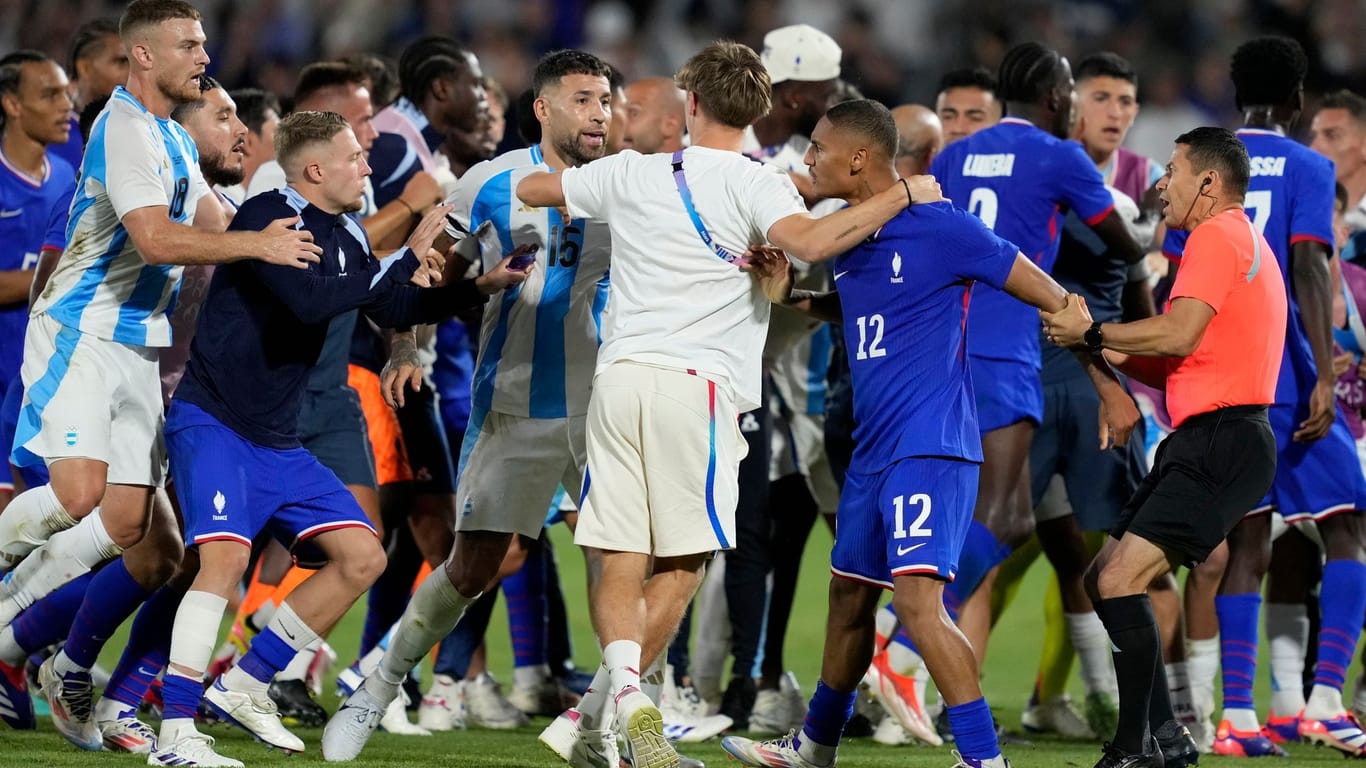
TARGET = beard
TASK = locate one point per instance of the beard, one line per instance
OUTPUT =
(573, 151)
(178, 89)
(217, 170)
(356, 206)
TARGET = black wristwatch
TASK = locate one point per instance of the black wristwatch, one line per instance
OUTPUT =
(1095, 341)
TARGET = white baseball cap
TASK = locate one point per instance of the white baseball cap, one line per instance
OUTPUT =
(801, 52)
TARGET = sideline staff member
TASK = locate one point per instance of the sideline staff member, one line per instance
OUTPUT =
(1216, 352)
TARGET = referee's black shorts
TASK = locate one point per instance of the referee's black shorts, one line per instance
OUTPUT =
(1207, 474)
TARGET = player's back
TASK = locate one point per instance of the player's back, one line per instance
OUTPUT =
(1018, 179)
(539, 340)
(675, 302)
(905, 295)
(101, 284)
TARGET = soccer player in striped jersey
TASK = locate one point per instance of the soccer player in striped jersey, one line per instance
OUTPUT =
(532, 377)
(90, 357)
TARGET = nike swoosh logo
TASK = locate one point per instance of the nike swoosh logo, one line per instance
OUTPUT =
(288, 634)
(10, 214)
(147, 672)
(838, 275)
(904, 550)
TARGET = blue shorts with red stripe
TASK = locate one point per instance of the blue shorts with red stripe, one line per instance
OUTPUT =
(1314, 480)
(911, 517)
(231, 489)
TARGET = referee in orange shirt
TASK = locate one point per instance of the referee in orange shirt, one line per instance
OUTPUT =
(1216, 352)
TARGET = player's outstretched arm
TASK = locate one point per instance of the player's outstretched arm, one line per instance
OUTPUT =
(541, 190)
(162, 241)
(1118, 414)
(811, 240)
(771, 269)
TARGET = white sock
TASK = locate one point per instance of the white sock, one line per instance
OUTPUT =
(66, 555)
(622, 659)
(298, 667)
(370, 661)
(530, 675)
(593, 710)
(174, 730)
(1243, 720)
(903, 660)
(1287, 632)
(261, 618)
(11, 653)
(1202, 667)
(819, 754)
(1179, 689)
(1092, 643)
(432, 613)
(652, 682)
(1324, 703)
(29, 520)
(194, 632)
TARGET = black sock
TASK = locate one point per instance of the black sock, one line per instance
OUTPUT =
(1160, 700)
(1133, 632)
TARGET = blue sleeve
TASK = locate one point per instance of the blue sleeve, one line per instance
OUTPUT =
(977, 252)
(402, 305)
(316, 298)
(939, 167)
(1078, 183)
(393, 163)
(1174, 244)
(58, 218)
(1311, 206)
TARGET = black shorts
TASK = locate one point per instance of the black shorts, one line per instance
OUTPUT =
(332, 428)
(1207, 474)
(428, 452)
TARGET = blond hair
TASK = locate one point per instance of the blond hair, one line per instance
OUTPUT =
(301, 130)
(730, 81)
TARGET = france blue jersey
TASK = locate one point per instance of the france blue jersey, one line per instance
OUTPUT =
(32, 217)
(904, 295)
(1019, 180)
(539, 341)
(101, 285)
(1290, 198)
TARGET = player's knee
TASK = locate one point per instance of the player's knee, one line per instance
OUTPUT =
(846, 598)
(363, 564)
(80, 498)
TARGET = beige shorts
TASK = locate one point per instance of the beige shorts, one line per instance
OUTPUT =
(511, 467)
(664, 451)
(88, 398)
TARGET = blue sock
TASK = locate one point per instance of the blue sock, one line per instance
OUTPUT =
(453, 657)
(385, 602)
(1340, 609)
(526, 598)
(148, 649)
(1238, 645)
(47, 621)
(268, 655)
(827, 715)
(111, 599)
(180, 697)
(982, 551)
(974, 733)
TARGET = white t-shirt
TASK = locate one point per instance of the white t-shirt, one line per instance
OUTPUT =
(673, 301)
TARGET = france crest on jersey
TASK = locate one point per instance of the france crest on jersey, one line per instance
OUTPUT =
(32, 217)
(539, 340)
(102, 286)
(905, 295)
(1290, 197)
(1019, 180)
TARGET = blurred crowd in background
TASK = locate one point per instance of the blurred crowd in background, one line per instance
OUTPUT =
(895, 50)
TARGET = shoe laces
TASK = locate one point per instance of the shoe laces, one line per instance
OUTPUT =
(77, 696)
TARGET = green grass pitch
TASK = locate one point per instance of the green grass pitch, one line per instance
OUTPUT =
(1009, 675)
